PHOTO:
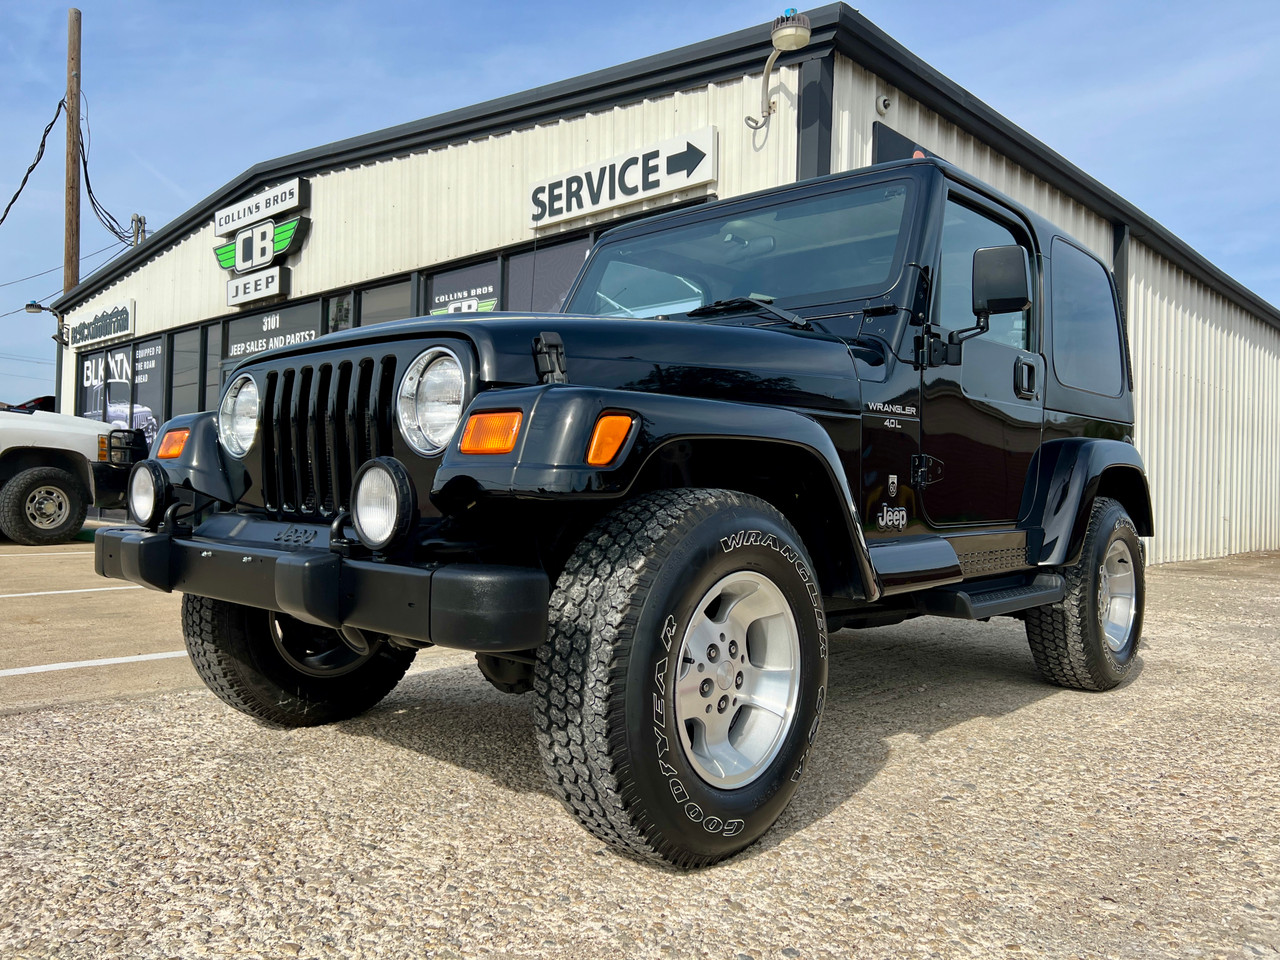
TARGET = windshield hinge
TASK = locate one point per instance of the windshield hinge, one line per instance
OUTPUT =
(548, 358)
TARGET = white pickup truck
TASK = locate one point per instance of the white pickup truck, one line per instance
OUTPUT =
(53, 466)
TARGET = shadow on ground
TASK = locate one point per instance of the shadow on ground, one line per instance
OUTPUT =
(917, 678)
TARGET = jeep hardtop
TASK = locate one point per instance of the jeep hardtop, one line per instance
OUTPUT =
(840, 403)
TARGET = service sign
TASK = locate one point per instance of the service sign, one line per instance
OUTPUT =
(667, 167)
(106, 324)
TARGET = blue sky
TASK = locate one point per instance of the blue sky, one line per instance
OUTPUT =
(1174, 105)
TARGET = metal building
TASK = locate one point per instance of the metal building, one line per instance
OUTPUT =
(494, 206)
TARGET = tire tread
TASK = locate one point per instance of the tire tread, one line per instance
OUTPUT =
(213, 628)
(581, 732)
(1057, 633)
(13, 520)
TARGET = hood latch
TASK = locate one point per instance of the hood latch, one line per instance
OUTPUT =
(548, 358)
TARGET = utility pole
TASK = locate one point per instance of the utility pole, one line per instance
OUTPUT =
(71, 232)
(71, 247)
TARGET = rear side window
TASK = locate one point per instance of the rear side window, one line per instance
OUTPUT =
(1086, 328)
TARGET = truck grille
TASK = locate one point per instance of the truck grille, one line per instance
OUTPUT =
(322, 422)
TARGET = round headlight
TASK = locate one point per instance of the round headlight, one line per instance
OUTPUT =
(238, 416)
(429, 402)
(383, 504)
(148, 493)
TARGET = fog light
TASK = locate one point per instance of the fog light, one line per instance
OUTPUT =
(384, 504)
(149, 493)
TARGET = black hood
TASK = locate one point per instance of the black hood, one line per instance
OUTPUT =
(726, 360)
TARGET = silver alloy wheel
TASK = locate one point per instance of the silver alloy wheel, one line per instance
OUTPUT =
(1117, 595)
(47, 507)
(738, 680)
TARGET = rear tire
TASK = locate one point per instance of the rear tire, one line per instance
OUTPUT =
(1088, 640)
(42, 506)
(281, 671)
(682, 683)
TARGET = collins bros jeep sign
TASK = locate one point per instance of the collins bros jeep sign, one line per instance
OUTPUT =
(265, 229)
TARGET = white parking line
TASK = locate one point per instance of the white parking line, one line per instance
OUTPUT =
(76, 664)
(49, 593)
(72, 553)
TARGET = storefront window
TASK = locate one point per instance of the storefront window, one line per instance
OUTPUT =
(277, 328)
(392, 302)
(337, 313)
(119, 387)
(538, 281)
(469, 290)
(148, 386)
(89, 384)
(212, 365)
(186, 373)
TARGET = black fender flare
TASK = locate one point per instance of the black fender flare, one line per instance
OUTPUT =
(549, 459)
(202, 467)
(1069, 475)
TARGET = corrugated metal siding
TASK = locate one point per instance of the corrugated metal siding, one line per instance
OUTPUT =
(852, 114)
(855, 94)
(402, 214)
(1207, 398)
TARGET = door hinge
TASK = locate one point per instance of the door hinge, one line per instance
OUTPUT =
(548, 358)
(925, 470)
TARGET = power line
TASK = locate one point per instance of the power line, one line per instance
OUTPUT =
(10, 283)
(15, 356)
(104, 216)
(33, 379)
(39, 154)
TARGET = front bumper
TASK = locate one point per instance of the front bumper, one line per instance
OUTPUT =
(259, 563)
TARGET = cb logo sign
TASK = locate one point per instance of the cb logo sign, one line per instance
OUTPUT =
(255, 246)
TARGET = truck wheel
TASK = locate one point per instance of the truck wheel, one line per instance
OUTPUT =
(43, 505)
(1088, 640)
(282, 671)
(681, 685)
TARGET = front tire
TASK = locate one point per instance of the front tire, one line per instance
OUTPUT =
(682, 683)
(1088, 640)
(42, 506)
(281, 671)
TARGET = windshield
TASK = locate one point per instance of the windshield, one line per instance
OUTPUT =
(836, 246)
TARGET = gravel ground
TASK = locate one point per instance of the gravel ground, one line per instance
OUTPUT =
(956, 807)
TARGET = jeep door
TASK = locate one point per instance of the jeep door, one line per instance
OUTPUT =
(981, 419)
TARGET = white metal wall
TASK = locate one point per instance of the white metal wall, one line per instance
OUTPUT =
(401, 214)
(855, 94)
(1207, 396)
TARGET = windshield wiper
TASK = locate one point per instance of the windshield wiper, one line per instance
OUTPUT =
(760, 304)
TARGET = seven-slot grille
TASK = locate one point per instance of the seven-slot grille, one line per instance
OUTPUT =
(321, 422)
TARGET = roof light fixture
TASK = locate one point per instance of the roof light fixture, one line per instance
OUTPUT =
(790, 32)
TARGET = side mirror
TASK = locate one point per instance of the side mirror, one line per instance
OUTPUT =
(1001, 280)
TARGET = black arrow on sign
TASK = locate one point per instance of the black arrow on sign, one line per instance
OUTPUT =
(686, 160)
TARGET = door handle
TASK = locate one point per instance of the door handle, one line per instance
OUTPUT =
(1024, 378)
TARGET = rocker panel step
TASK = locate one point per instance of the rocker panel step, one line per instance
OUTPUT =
(966, 605)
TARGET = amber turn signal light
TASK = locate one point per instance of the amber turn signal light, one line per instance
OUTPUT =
(607, 438)
(172, 444)
(490, 432)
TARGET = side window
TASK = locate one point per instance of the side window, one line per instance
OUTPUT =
(964, 231)
(1086, 328)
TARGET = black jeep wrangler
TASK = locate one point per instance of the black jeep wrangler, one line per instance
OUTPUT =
(841, 403)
